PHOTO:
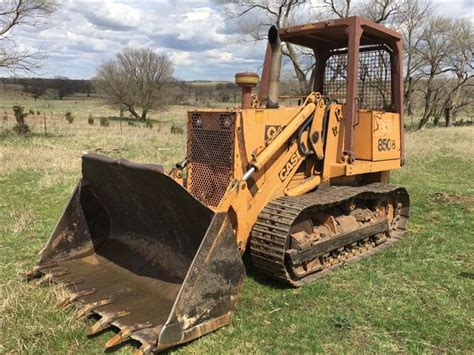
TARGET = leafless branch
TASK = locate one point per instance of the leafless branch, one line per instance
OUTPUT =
(15, 13)
(256, 16)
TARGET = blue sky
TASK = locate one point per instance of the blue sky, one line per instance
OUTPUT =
(196, 35)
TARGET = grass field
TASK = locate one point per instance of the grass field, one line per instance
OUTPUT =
(414, 297)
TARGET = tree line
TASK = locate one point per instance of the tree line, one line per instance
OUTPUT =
(58, 87)
(178, 92)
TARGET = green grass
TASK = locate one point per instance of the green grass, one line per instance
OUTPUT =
(414, 297)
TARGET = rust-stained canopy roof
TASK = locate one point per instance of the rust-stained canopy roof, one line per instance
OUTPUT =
(334, 33)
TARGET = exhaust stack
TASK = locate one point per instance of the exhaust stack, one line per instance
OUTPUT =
(274, 85)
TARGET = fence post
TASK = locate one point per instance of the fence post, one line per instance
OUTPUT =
(44, 123)
(121, 116)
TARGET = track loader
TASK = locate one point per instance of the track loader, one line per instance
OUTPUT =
(301, 188)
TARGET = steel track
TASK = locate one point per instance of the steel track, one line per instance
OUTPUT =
(270, 235)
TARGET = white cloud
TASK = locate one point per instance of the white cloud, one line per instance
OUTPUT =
(181, 58)
(110, 15)
(201, 42)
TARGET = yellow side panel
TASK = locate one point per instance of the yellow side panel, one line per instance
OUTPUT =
(363, 136)
(377, 136)
(386, 136)
(259, 125)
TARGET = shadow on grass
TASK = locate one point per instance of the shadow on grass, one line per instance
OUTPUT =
(467, 275)
(259, 277)
(10, 134)
(112, 331)
(130, 342)
(127, 120)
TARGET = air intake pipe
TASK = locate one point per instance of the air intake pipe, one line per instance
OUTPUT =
(274, 85)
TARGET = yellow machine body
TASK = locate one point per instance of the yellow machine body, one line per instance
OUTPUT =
(301, 187)
(234, 137)
(377, 136)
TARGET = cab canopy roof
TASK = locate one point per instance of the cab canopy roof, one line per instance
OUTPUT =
(334, 34)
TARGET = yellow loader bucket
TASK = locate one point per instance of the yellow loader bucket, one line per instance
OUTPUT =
(135, 248)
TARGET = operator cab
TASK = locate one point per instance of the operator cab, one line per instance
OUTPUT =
(357, 64)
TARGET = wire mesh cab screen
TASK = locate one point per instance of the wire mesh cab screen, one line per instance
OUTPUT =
(373, 77)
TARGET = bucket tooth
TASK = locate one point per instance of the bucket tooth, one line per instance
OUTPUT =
(83, 294)
(32, 274)
(145, 349)
(64, 303)
(68, 300)
(88, 308)
(73, 283)
(105, 321)
(45, 280)
(36, 273)
(125, 334)
(59, 271)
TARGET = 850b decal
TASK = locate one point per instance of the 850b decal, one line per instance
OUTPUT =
(386, 144)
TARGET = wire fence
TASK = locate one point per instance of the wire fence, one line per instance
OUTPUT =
(57, 125)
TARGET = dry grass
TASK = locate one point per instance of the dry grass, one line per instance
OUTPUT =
(435, 142)
(32, 327)
(58, 151)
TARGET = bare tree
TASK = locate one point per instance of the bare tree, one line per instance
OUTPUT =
(137, 79)
(14, 13)
(434, 49)
(339, 8)
(438, 53)
(379, 11)
(410, 20)
(256, 16)
(460, 63)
